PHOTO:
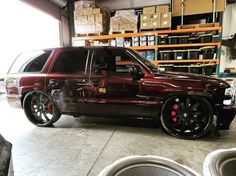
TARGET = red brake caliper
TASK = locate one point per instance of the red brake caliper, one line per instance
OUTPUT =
(174, 112)
(49, 107)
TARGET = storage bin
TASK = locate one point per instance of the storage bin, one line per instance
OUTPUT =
(205, 38)
(135, 39)
(195, 69)
(166, 55)
(143, 53)
(166, 67)
(173, 39)
(208, 69)
(151, 37)
(151, 43)
(150, 55)
(135, 43)
(143, 38)
(143, 43)
(193, 40)
(181, 68)
(162, 39)
(208, 52)
(183, 39)
(193, 54)
(180, 54)
(216, 38)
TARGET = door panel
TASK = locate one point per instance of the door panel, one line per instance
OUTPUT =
(67, 80)
(117, 88)
(68, 92)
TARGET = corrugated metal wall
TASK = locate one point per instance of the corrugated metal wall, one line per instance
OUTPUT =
(121, 4)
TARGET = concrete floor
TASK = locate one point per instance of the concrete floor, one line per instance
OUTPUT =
(84, 146)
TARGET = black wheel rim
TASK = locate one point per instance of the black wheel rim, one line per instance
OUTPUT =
(186, 116)
(41, 108)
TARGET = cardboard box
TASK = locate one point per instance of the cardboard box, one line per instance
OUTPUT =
(87, 11)
(91, 27)
(81, 19)
(162, 8)
(114, 27)
(91, 19)
(78, 12)
(156, 24)
(166, 15)
(98, 18)
(99, 27)
(96, 10)
(165, 23)
(146, 25)
(149, 10)
(156, 16)
(191, 7)
(145, 18)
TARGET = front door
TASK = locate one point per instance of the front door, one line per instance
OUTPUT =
(116, 90)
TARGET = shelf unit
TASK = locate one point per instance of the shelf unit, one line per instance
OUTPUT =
(169, 46)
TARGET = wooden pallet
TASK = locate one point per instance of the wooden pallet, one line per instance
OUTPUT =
(122, 31)
(193, 26)
(153, 29)
(88, 34)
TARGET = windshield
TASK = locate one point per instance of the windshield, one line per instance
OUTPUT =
(146, 62)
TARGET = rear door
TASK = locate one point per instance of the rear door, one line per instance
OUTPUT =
(67, 79)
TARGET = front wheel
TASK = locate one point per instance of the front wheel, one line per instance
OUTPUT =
(40, 110)
(187, 117)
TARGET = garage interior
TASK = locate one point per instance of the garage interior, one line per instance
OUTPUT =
(84, 146)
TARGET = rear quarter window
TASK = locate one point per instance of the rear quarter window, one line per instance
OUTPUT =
(33, 61)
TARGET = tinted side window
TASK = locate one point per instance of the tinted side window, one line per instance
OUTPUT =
(115, 61)
(71, 62)
(30, 62)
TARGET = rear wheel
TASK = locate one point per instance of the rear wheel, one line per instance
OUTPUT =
(187, 117)
(40, 109)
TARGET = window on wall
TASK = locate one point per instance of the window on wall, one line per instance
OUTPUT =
(24, 29)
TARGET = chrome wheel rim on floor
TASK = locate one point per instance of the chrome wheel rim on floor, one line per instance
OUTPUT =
(146, 165)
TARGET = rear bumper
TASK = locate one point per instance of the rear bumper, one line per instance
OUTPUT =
(225, 115)
(14, 101)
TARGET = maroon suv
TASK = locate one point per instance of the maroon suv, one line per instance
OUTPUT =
(115, 82)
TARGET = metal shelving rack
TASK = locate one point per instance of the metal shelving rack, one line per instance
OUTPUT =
(157, 47)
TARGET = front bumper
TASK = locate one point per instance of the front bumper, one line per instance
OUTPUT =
(225, 115)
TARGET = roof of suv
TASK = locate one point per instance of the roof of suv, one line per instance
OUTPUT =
(86, 47)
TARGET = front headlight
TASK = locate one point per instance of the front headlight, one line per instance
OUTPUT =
(229, 92)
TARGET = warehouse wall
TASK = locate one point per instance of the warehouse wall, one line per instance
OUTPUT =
(121, 4)
(229, 23)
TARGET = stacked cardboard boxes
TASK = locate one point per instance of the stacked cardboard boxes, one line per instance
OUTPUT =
(89, 20)
(124, 20)
(155, 17)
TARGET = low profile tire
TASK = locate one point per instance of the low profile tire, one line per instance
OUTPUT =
(187, 117)
(40, 110)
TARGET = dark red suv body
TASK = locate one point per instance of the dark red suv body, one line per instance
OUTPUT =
(115, 82)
